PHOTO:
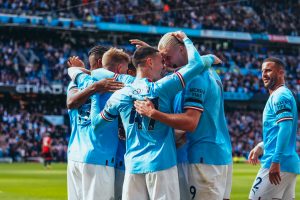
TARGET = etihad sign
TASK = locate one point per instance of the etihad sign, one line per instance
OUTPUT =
(42, 89)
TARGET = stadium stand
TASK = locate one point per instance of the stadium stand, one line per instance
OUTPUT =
(245, 16)
(38, 59)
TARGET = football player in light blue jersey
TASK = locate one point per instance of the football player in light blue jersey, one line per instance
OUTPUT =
(84, 153)
(171, 51)
(150, 158)
(209, 146)
(280, 162)
(100, 74)
(181, 152)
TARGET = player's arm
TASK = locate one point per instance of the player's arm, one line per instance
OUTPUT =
(172, 84)
(76, 98)
(101, 73)
(186, 121)
(193, 99)
(74, 61)
(108, 114)
(283, 109)
(139, 43)
(257, 151)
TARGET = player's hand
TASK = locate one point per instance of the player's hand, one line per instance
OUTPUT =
(180, 138)
(139, 43)
(75, 61)
(107, 85)
(217, 60)
(145, 108)
(179, 35)
(254, 154)
(274, 173)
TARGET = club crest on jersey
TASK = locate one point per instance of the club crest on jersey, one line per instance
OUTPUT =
(136, 91)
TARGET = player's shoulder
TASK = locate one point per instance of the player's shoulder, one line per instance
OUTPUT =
(199, 80)
(282, 93)
(125, 78)
(282, 96)
(122, 93)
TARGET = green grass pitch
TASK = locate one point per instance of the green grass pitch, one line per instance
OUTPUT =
(33, 182)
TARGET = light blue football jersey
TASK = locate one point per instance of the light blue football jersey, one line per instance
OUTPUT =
(210, 142)
(280, 106)
(89, 145)
(73, 153)
(150, 144)
(99, 74)
(182, 154)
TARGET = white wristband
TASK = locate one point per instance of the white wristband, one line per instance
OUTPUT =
(261, 145)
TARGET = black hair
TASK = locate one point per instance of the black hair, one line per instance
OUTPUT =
(97, 51)
(141, 54)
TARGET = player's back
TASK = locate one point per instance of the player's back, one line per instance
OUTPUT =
(149, 144)
(93, 147)
(210, 143)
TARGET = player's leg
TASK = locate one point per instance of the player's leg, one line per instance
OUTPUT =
(119, 179)
(134, 187)
(98, 182)
(163, 184)
(289, 193)
(207, 181)
(228, 183)
(74, 179)
(183, 180)
(263, 189)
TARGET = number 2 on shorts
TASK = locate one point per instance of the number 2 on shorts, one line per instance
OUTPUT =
(255, 187)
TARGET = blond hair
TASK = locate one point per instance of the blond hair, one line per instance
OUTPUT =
(168, 41)
(113, 57)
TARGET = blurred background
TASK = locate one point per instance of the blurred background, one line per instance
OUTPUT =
(38, 36)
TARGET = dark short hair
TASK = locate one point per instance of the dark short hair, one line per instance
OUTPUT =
(277, 61)
(97, 51)
(131, 66)
(141, 54)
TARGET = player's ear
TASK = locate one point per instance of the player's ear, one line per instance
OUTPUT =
(149, 62)
(281, 72)
(99, 62)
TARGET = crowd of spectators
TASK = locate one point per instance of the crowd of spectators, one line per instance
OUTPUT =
(256, 16)
(21, 133)
(44, 63)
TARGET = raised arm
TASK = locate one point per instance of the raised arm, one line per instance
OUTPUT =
(172, 84)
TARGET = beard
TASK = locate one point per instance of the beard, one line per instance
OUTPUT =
(271, 84)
